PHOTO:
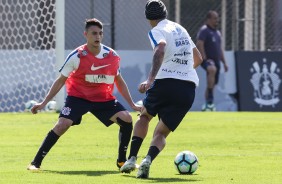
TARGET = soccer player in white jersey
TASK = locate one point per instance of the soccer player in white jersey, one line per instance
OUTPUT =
(170, 86)
(89, 72)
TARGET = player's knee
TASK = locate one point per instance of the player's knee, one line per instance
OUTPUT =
(162, 130)
(125, 116)
(212, 70)
(62, 125)
(145, 118)
(125, 124)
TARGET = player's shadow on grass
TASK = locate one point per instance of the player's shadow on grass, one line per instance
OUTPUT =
(165, 180)
(87, 173)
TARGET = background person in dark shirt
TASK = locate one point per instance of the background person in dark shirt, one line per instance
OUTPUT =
(209, 44)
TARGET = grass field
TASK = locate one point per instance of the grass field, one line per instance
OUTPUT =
(237, 147)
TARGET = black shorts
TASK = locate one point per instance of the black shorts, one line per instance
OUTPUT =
(210, 62)
(75, 108)
(171, 99)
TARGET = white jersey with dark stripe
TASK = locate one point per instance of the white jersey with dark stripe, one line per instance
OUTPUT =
(72, 61)
(178, 59)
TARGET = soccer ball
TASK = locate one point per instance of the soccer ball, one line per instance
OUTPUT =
(51, 106)
(208, 107)
(186, 162)
(29, 104)
(139, 103)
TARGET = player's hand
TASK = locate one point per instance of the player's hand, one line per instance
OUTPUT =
(144, 86)
(37, 107)
(225, 67)
(136, 107)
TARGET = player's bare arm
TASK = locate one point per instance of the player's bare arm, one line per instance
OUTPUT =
(224, 61)
(123, 90)
(157, 60)
(56, 86)
(200, 46)
(156, 64)
(197, 57)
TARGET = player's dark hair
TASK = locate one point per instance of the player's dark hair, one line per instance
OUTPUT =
(155, 10)
(209, 14)
(93, 22)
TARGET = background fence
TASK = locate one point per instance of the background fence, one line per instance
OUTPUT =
(245, 24)
(28, 39)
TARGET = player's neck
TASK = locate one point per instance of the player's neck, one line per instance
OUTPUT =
(154, 23)
(95, 50)
(211, 26)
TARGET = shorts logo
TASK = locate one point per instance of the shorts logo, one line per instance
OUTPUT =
(66, 111)
(266, 82)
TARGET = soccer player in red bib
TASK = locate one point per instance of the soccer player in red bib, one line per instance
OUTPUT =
(89, 72)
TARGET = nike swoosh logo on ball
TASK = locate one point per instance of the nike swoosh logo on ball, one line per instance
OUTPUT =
(93, 68)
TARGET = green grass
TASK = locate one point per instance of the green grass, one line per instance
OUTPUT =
(238, 147)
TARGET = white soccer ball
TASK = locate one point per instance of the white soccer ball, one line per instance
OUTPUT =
(51, 106)
(186, 162)
(29, 104)
(139, 103)
(208, 107)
